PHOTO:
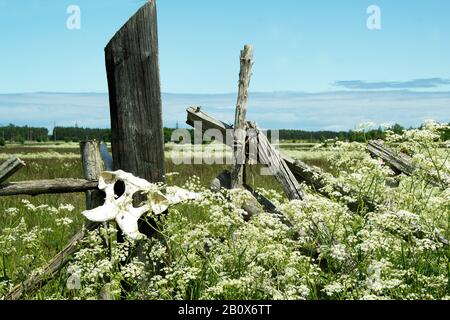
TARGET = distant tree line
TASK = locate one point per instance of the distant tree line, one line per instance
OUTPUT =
(322, 136)
(21, 134)
(76, 134)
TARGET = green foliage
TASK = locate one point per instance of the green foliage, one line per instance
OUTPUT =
(19, 139)
(352, 135)
(77, 134)
(210, 249)
(2, 142)
(19, 134)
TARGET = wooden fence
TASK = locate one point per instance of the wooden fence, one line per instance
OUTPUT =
(138, 143)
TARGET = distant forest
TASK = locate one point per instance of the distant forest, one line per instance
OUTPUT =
(18, 134)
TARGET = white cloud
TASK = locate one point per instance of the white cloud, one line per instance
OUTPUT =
(331, 110)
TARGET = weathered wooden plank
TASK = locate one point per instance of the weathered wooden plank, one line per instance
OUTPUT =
(132, 65)
(317, 181)
(38, 187)
(195, 114)
(240, 132)
(399, 162)
(94, 163)
(10, 167)
(52, 268)
(107, 157)
(402, 163)
(269, 156)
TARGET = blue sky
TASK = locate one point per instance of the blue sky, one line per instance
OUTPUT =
(303, 46)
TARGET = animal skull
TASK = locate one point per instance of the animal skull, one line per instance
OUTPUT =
(122, 209)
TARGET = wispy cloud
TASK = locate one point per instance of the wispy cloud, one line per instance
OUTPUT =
(308, 111)
(411, 84)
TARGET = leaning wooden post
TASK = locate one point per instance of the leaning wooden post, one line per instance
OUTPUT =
(10, 167)
(135, 96)
(240, 132)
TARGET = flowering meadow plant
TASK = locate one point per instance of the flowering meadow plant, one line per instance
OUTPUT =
(211, 248)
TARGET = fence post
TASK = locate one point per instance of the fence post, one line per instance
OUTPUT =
(240, 132)
(93, 166)
(132, 67)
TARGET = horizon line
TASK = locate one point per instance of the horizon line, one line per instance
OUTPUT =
(232, 93)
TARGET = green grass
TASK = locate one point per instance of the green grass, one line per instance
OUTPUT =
(205, 249)
(41, 165)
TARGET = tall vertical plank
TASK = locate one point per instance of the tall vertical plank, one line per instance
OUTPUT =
(132, 66)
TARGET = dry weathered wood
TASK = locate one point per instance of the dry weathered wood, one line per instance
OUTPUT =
(240, 132)
(91, 160)
(52, 268)
(223, 181)
(270, 157)
(107, 157)
(132, 66)
(317, 181)
(268, 206)
(93, 166)
(10, 167)
(56, 186)
(196, 115)
(303, 172)
(399, 162)
(402, 163)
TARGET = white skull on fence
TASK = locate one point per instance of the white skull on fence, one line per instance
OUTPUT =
(121, 206)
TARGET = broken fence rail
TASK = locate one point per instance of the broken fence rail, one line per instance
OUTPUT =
(402, 163)
(10, 167)
(55, 186)
(302, 172)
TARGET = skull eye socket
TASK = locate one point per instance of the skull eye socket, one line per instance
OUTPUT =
(119, 188)
(138, 199)
(100, 198)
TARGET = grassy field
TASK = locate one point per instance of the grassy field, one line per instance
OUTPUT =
(62, 160)
(206, 249)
